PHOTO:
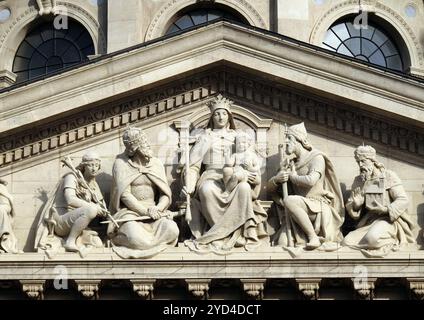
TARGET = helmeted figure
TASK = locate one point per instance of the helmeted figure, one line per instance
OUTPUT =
(312, 212)
(77, 200)
(379, 201)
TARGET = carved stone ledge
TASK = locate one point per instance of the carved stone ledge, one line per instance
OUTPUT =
(254, 288)
(364, 287)
(88, 288)
(34, 289)
(199, 288)
(7, 78)
(309, 287)
(416, 285)
(144, 288)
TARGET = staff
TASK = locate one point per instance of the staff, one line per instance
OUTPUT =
(188, 216)
(68, 162)
(284, 165)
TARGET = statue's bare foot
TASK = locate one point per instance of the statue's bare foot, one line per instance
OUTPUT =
(313, 243)
(70, 246)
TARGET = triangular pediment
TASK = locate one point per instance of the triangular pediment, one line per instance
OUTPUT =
(180, 97)
(269, 55)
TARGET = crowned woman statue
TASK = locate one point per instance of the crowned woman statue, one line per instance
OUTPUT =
(221, 220)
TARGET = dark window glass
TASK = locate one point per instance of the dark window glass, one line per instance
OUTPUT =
(199, 16)
(46, 49)
(370, 44)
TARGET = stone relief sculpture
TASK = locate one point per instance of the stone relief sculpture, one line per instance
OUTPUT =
(76, 202)
(222, 218)
(8, 241)
(241, 163)
(140, 198)
(378, 200)
(311, 210)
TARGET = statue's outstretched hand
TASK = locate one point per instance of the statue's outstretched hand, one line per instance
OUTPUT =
(358, 198)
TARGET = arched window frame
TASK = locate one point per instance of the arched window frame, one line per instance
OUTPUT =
(371, 43)
(228, 13)
(46, 25)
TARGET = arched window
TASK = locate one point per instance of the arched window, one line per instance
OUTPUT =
(196, 16)
(46, 49)
(371, 44)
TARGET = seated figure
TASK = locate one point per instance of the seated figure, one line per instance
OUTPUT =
(241, 163)
(8, 242)
(379, 201)
(77, 201)
(140, 199)
(307, 197)
(222, 220)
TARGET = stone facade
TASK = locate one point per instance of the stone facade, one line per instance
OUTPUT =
(273, 78)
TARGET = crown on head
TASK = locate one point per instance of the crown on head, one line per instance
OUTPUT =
(133, 134)
(220, 103)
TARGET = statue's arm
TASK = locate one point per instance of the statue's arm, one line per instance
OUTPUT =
(163, 203)
(400, 202)
(4, 204)
(355, 202)
(316, 170)
(273, 188)
(132, 203)
(352, 210)
(197, 152)
(69, 192)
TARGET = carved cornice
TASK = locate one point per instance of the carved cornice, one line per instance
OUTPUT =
(274, 101)
(199, 288)
(144, 288)
(34, 289)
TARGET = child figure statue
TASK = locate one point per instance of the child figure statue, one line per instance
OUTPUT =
(242, 162)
